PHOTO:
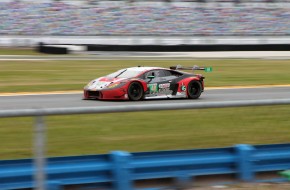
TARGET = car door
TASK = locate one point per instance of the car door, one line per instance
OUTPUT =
(158, 83)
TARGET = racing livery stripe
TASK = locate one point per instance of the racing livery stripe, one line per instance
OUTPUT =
(78, 91)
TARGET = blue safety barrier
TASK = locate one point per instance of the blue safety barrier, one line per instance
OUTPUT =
(119, 170)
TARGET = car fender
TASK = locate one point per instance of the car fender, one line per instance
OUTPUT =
(143, 83)
(182, 84)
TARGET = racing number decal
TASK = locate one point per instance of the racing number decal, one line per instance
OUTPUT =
(183, 87)
(153, 88)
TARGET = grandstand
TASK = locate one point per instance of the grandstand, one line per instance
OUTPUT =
(166, 18)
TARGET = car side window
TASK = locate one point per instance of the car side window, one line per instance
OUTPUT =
(167, 73)
(149, 73)
(175, 73)
(162, 73)
(154, 73)
(159, 73)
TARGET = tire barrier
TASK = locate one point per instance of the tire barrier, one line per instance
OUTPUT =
(69, 48)
(191, 48)
(51, 49)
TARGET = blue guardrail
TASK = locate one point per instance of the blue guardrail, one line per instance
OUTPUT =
(120, 170)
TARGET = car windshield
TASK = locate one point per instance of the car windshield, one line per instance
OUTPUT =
(125, 73)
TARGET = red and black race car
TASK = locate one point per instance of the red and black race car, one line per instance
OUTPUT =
(137, 83)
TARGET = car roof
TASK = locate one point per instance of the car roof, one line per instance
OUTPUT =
(144, 68)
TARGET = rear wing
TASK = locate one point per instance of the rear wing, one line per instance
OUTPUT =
(195, 67)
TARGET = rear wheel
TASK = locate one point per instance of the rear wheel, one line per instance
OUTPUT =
(194, 89)
(135, 91)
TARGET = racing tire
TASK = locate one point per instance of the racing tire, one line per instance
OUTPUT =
(194, 89)
(135, 91)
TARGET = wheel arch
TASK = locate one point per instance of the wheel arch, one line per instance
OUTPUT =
(142, 82)
(194, 89)
(186, 81)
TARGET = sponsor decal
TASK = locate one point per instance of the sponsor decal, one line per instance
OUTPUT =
(165, 85)
(161, 89)
(181, 94)
(165, 91)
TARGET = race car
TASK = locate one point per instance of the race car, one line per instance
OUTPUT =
(138, 83)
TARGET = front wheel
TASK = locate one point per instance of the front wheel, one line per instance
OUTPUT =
(194, 89)
(135, 91)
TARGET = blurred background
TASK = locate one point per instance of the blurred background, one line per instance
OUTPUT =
(97, 22)
(176, 17)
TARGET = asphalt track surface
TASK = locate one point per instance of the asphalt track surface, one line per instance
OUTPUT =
(36, 101)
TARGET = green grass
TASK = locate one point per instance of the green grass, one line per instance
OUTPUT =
(19, 76)
(19, 51)
(148, 131)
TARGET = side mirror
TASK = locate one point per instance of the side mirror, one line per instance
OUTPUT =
(151, 77)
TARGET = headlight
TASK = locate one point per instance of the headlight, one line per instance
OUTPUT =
(90, 83)
(113, 85)
(116, 84)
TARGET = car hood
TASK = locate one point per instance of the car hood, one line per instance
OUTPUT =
(103, 83)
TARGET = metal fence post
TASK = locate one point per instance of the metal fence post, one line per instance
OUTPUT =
(39, 153)
(245, 162)
(121, 170)
(183, 180)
